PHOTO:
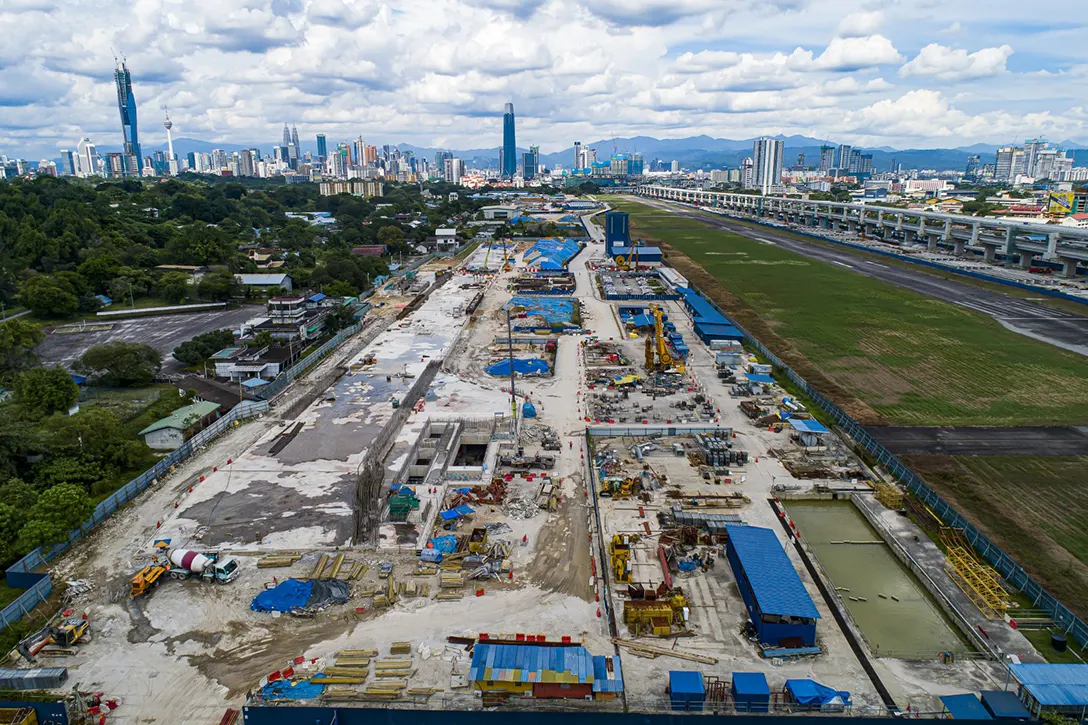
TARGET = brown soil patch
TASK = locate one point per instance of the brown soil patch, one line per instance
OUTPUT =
(765, 333)
(562, 560)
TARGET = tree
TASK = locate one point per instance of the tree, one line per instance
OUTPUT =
(48, 297)
(121, 363)
(68, 469)
(58, 510)
(338, 319)
(46, 391)
(12, 520)
(340, 288)
(261, 339)
(18, 338)
(203, 346)
(174, 286)
(390, 235)
(19, 494)
(100, 270)
(220, 286)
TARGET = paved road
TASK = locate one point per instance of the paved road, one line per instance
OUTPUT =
(967, 441)
(1057, 327)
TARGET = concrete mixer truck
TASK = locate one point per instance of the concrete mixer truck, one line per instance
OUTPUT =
(183, 564)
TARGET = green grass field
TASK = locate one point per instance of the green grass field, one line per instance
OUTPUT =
(913, 359)
(1035, 508)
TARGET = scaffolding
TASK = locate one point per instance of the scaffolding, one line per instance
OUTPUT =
(981, 583)
(888, 495)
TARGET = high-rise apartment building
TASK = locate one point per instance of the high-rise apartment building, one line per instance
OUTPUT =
(126, 104)
(371, 155)
(246, 163)
(358, 152)
(453, 171)
(971, 170)
(675, 166)
(846, 153)
(322, 147)
(767, 163)
(827, 158)
(509, 161)
(578, 155)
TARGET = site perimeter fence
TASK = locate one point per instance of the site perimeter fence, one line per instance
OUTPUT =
(998, 558)
(287, 377)
(39, 585)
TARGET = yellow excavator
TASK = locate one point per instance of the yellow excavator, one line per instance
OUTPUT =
(658, 356)
(60, 635)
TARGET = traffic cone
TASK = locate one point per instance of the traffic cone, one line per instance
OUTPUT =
(598, 612)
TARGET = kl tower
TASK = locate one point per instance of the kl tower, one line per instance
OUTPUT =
(172, 160)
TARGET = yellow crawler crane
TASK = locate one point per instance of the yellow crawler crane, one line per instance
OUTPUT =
(657, 348)
(981, 583)
(631, 262)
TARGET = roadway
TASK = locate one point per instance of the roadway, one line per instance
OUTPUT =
(1048, 324)
(969, 441)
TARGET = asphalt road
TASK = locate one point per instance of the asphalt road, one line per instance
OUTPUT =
(163, 332)
(1023, 441)
(1057, 327)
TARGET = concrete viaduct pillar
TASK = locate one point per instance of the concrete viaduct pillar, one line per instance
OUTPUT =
(851, 226)
(947, 230)
(931, 240)
(958, 247)
(908, 236)
(989, 253)
(1026, 258)
(1069, 267)
(1010, 246)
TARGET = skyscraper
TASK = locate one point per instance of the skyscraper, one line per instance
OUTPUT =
(767, 166)
(845, 154)
(509, 160)
(827, 158)
(67, 163)
(972, 167)
(322, 147)
(577, 154)
(295, 147)
(358, 151)
(88, 158)
(529, 162)
(126, 104)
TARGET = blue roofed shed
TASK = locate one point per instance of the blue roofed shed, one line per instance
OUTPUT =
(779, 607)
(964, 707)
(751, 693)
(546, 672)
(686, 690)
(1054, 688)
(1004, 705)
(710, 331)
(808, 431)
(607, 677)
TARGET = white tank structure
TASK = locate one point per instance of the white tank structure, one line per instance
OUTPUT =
(192, 561)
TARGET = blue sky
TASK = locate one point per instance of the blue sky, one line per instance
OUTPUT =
(909, 74)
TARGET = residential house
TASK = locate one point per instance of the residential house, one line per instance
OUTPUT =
(291, 318)
(370, 250)
(446, 240)
(265, 282)
(242, 363)
(206, 390)
(167, 434)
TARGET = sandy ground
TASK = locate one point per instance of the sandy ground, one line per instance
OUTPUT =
(187, 651)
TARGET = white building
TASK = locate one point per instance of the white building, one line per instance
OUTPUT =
(1077, 221)
(767, 168)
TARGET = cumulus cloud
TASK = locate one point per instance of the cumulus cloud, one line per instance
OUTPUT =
(856, 25)
(850, 54)
(955, 64)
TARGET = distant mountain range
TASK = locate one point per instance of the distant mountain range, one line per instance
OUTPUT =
(693, 152)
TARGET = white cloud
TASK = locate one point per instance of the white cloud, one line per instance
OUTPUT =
(860, 24)
(952, 28)
(955, 64)
(849, 54)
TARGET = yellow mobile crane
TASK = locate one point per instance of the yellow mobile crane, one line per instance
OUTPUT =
(658, 357)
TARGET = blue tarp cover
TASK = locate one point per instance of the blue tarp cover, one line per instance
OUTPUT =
(810, 692)
(294, 594)
(445, 544)
(549, 264)
(759, 378)
(528, 410)
(456, 513)
(964, 707)
(287, 690)
(774, 581)
(808, 426)
(553, 310)
(524, 366)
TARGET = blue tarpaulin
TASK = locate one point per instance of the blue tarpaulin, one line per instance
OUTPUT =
(456, 512)
(287, 690)
(552, 310)
(445, 544)
(522, 366)
(528, 410)
(557, 250)
(293, 594)
(549, 264)
(759, 378)
(810, 692)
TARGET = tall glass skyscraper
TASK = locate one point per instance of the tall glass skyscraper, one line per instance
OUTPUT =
(509, 159)
(322, 147)
(126, 103)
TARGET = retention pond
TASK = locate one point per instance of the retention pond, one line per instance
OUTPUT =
(895, 613)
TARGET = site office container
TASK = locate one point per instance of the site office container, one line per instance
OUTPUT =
(561, 690)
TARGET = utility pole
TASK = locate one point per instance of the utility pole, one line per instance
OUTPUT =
(510, 353)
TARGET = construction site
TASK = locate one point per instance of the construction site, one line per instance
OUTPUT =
(510, 491)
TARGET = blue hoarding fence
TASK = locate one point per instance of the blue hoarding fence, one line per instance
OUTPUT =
(23, 574)
(1013, 573)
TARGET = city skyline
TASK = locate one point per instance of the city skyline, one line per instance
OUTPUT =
(909, 75)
